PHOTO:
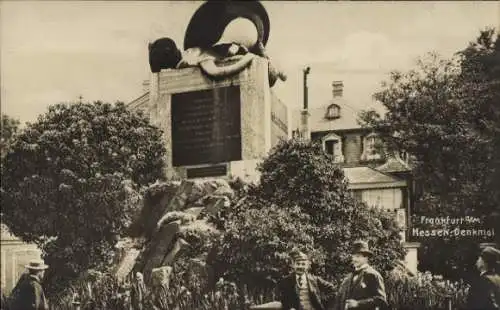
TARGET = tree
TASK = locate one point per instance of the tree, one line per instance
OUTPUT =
(71, 181)
(302, 201)
(445, 114)
(10, 126)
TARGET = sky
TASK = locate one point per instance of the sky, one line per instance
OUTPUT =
(55, 51)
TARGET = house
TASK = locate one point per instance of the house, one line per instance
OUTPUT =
(376, 177)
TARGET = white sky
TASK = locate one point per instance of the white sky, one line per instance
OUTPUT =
(55, 51)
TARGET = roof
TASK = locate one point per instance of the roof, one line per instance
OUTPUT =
(366, 177)
(394, 164)
(348, 119)
(139, 102)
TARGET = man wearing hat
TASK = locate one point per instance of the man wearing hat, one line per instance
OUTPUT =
(364, 288)
(28, 293)
(302, 290)
(484, 293)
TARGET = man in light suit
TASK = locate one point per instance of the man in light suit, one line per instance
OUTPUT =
(364, 288)
(302, 290)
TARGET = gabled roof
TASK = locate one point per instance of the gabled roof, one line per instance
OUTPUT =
(366, 177)
(139, 102)
(394, 164)
(348, 119)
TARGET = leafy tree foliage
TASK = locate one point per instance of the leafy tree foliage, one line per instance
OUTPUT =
(302, 201)
(10, 127)
(71, 181)
(445, 114)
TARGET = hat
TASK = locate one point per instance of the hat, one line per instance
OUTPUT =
(491, 255)
(299, 256)
(37, 265)
(209, 22)
(361, 247)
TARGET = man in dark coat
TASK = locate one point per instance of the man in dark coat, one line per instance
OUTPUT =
(484, 293)
(302, 290)
(28, 293)
(364, 288)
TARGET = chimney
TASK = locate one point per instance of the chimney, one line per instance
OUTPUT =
(337, 89)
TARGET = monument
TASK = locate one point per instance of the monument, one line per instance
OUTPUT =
(213, 100)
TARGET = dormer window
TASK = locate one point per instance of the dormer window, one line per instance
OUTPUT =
(332, 145)
(370, 147)
(332, 112)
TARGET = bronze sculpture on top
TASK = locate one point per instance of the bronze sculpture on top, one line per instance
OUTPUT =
(222, 38)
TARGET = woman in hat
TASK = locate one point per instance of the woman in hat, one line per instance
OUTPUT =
(364, 287)
(28, 293)
(484, 293)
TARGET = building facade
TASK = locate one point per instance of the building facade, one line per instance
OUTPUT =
(15, 255)
(376, 177)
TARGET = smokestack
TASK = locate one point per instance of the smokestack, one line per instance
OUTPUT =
(337, 89)
(304, 115)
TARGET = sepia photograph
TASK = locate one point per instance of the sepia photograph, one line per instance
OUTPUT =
(241, 155)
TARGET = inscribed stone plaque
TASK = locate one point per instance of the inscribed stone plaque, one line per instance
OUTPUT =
(211, 171)
(206, 126)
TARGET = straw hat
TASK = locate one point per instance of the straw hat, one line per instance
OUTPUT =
(37, 265)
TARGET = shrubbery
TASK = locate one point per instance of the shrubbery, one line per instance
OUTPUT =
(422, 292)
(71, 182)
(302, 201)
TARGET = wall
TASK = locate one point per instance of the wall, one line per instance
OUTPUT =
(386, 198)
(352, 144)
(352, 147)
(15, 254)
(279, 120)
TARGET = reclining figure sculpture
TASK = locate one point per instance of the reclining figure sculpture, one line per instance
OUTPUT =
(222, 38)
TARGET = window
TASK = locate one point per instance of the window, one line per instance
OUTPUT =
(404, 156)
(332, 112)
(332, 145)
(370, 147)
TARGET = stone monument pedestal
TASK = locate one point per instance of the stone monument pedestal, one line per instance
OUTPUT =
(216, 128)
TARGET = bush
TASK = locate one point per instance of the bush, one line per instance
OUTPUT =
(71, 182)
(302, 201)
(425, 292)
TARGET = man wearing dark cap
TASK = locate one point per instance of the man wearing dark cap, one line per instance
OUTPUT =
(301, 290)
(484, 293)
(364, 288)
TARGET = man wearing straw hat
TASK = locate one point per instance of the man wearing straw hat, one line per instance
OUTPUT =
(364, 288)
(301, 290)
(484, 293)
(28, 293)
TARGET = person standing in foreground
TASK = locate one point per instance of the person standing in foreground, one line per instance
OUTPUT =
(302, 290)
(364, 288)
(28, 293)
(484, 293)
